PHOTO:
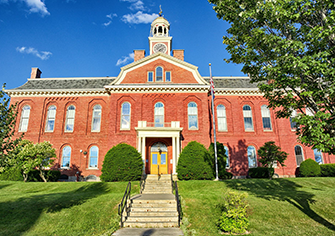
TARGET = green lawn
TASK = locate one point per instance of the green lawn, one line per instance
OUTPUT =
(294, 206)
(59, 208)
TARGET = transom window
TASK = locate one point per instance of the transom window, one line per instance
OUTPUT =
(94, 153)
(96, 118)
(24, 119)
(192, 111)
(299, 156)
(247, 114)
(252, 158)
(66, 156)
(318, 156)
(159, 74)
(51, 116)
(125, 115)
(69, 124)
(159, 114)
(266, 118)
(221, 116)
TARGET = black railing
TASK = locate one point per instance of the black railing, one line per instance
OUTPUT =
(178, 203)
(124, 205)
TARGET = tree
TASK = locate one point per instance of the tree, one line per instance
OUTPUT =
(8, 143)
(287, 47)
(36, 156)
(222, 160)
(269, 154)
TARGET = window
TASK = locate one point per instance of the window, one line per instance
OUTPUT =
(159, 114)
(227, 154)
(69, 124)
(252, 160)
(192, 111)
(247, 114)
(298, 155)
(66, 156)
(221, 116)
(94, 152)
(24, 118)
(96, 118)
(266, 118)
(318, 156)
(150, 76)
(159, 74)
(168, 76)
(293, 123)
(51, 116)
(125, 115)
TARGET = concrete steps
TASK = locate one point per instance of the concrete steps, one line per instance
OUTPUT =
(156, 207)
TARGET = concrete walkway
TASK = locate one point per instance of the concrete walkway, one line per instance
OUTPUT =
(148, 232)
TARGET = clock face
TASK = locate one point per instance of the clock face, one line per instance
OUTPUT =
(159, 47)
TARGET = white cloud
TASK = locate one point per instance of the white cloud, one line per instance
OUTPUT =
(35, 6)
(42, 55)
(139, 18)
(139, 5)
(110, 16)
(123, 60)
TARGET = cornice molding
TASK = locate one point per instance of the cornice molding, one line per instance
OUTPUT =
(56, 92)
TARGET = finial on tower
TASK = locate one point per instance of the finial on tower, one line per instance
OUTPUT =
(160, 12)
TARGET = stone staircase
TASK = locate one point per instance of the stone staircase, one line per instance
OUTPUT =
(156, 207)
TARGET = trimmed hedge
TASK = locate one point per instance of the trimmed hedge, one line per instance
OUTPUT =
(309, 168)
(194, 163)
(122, 163)
(327, 170)
(260, 172)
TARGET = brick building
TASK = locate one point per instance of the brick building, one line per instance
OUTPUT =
(157, 104)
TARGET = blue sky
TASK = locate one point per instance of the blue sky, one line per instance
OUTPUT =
(94, 38)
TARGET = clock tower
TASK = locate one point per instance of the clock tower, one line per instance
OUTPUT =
(160, 40)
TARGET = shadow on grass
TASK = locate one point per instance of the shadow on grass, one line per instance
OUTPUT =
(4, 185)
(20, 215)
(281, 190)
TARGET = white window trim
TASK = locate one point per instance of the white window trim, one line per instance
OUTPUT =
(127, 115)
(46, 123)
(170, 76)
(21, 119)
(96, 131)
(252, 120)
(188, 117)
(228, 159)
(162, 74)
(159, 115)
(322, 160)
(153, 77)
(302, 153)
(256, 164)
(89, 159)
(267, 108)
(66, 119)
(62, 160)
(222, 117)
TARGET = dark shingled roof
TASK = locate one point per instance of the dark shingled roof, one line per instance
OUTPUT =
(80, 83)
(226, 82)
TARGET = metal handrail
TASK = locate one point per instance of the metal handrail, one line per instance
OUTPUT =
(178, 202)
(124, 203)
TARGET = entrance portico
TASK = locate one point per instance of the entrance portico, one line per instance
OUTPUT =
(169, 130)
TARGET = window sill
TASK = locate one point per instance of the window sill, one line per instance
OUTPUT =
(48, 131)
(95, 131)
(92, 168)
(64, 168)
(68, 132)
(223, 131)
(267, 130)
(249, 131)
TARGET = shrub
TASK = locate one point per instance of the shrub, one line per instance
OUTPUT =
(327, 170)
(234, 213)
(194, 163)
(260, 172)
(222, 160)
(12, 174)
(122, 163)
(309, 168)
(50, 176)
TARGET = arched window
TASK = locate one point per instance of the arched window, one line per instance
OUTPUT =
(221, 116)
(159, 114)
(94, 153)
(227, 154)
(266, 118)
(66, 156)
(247, 114)
(192, 111)
(125, 115)
(293, 123)
(96, 118)
(51, 116)
(299, 156)
(24, 119)
(252, 158)
(159, 74)
(318, 156)
(69, 123)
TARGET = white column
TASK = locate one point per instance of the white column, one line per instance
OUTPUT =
(143, 150)
(174, 155)
(178, 148)
(139, 144)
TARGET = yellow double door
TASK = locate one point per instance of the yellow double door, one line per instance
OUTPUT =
(159, 163)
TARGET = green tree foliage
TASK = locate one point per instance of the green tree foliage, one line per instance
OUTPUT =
(195, 163)
(288, 49)
(122, 163)
(222, 160)
(36, 156)
(309, 168)
(8, 143)
(270, 153)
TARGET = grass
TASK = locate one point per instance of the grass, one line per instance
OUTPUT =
(297, 206)
(60, 208)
